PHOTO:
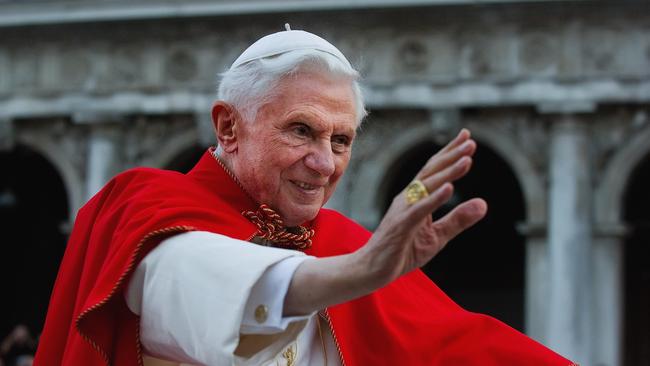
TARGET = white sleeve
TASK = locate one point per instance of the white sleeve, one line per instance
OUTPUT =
(268, 294)
(191, 292)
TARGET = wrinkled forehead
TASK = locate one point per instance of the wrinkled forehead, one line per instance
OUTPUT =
(329, 94)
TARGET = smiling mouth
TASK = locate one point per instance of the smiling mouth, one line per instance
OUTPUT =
(305, 186)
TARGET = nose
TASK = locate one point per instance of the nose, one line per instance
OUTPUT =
(321, 159)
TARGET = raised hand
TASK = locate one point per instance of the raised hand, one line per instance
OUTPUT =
(407, 237)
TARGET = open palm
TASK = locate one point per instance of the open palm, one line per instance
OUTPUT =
(407, 237)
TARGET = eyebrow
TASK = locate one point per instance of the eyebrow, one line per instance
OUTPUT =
(318, 123)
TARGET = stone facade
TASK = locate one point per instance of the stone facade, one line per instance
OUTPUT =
(559, 90)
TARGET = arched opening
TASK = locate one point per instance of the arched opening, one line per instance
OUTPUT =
(637, 267)
(186, 160)
(483, 268)
(33, 212)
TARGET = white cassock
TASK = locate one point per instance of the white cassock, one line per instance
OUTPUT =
(208, 299)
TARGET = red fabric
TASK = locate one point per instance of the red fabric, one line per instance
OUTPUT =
(410, 322)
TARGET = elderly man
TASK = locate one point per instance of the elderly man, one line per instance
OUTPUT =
(160, 265)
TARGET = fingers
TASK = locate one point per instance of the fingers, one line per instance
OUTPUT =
(449, 164)
(458, 148)
(460, 218)
(462, 136)
(432, 202)
(448, 174)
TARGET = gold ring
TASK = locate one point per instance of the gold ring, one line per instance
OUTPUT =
(415, 191)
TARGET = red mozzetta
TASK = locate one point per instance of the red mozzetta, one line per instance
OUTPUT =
(409, 322)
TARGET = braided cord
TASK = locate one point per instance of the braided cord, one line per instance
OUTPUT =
(270, 226)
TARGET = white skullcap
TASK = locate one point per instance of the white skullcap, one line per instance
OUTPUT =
(285, 41)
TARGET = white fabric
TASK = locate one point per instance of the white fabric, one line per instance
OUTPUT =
(270, 290)
(310, 339)
(285, 41)
(308, 346)
(191, 291)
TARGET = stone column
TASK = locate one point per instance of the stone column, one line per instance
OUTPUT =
(205, 130)
(101, 159)
(203, 121)
(608, 294)
(569, 246)
(536, 289)
(6, 134)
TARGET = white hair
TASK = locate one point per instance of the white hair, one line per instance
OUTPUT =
(251, 85)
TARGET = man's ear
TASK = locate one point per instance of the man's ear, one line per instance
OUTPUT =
(225, 120)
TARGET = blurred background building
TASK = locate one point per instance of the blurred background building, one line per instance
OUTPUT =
(556, 93)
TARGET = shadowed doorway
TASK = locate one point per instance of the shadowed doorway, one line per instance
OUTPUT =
(483, 268)
(637, 267)
(33, 211)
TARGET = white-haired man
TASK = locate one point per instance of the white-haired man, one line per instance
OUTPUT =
(160, 265)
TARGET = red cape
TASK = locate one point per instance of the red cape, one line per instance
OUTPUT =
(409, 322)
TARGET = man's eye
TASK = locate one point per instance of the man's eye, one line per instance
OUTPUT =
(339, 143)
(340, 140)
(301, 130)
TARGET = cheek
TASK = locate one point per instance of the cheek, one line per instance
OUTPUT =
(256, 170)
(257, 156)
(275, 172)
(264, 183)
(341, 165)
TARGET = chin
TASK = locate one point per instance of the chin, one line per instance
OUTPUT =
(298, 218)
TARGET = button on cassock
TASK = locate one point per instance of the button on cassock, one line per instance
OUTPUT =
(261, 313)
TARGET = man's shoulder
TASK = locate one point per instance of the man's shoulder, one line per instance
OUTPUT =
(150, 180)
(140, 182)
(146, 174)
